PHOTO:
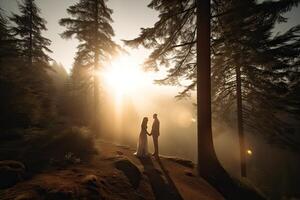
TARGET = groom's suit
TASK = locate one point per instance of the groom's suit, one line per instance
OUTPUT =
(155, 134)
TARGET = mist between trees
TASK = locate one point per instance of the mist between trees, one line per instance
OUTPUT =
(254, 83)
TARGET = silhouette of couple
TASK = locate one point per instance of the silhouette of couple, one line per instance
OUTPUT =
(142, 147)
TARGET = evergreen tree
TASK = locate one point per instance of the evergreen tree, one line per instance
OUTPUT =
(16, 101)
(208, 162)
(244, 52)
(7, 41)
(256, 65)
(35, 87)
(90, 23)
(81, 94)
(29, 27)
(6, 54)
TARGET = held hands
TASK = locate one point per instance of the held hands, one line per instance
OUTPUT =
(149, 134)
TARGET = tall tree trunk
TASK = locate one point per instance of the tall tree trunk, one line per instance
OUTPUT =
(208, 165)
(240, 120)
(96, 120)
(207, 159)
(30, 35)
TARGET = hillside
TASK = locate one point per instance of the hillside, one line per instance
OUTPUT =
(113, 174)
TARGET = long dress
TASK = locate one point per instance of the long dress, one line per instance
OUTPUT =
(142, 146)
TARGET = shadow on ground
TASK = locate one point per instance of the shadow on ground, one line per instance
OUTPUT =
(162, 189)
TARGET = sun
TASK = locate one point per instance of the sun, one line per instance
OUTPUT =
(124, 76)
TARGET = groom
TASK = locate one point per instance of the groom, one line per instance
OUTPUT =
(155, 134)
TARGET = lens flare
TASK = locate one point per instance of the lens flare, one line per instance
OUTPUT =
(124, 76)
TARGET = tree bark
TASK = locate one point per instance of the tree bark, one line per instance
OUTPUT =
(30, 34)
(96, 120)
(240, 121)
(207, 159)
(208, 165)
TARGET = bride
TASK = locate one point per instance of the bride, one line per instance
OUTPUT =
(142, 147)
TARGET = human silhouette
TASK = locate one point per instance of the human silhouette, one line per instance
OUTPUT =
(155, 134)
(142, 146)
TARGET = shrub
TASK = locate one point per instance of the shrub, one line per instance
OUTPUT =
(76, 140)
(38, 148)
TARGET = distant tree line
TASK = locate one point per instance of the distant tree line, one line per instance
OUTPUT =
(26, 88)
(35, 90)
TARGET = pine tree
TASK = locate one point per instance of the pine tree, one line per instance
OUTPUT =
(28, 29)
(241, 42)
(82, 94)
(244, 52)
(16, 101)
(207, 159)
(7, 52)
(32, 64)
(90, 23)
(256, 65)
(7, 41)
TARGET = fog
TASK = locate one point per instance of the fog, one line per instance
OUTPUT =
(272, 170)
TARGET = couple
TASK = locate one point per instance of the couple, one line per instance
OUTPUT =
(142, 147)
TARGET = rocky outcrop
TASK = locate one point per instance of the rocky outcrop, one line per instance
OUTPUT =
(130, 170)
(183, 162)
(11, 172)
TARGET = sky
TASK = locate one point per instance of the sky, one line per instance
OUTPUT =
(129, 16)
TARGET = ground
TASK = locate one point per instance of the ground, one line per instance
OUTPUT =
(116, 174)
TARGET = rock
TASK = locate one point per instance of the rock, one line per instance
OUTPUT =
(189, 173)
(90, 180)
(159, 171)
(28, 196)
(183, 162)
(130, 170)
(59, 195)
(123, 146)
(92, 185)
(11, 172)
(112, 158)
(53, 190)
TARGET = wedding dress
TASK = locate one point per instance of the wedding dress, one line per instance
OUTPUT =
(142, 146)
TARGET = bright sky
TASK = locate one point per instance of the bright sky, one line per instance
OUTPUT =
(129, 16)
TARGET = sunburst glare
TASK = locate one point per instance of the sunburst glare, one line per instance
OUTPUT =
(124, 76)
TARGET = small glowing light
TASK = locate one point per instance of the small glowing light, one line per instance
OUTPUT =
(249, 152)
